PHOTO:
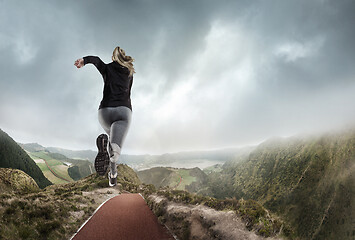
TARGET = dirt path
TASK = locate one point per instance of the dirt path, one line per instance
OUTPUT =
(179, 182)
(126, 216)
(54, 173)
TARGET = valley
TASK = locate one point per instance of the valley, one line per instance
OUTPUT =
(55, 170)
(304, 183)
(57, 167)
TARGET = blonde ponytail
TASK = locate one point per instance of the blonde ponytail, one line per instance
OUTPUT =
(119, 55)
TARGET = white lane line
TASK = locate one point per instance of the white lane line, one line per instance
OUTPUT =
(92, 216)
(141, 195)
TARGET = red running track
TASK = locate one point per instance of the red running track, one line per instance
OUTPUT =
(124, 217)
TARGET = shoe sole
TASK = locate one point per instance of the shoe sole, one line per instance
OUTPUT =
(102, 159)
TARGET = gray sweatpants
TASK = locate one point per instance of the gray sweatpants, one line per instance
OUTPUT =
(115, 121)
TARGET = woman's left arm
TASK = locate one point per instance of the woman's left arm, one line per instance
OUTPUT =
(99, 64)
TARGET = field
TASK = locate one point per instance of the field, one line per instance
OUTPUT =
(180, 178)
(186, 178)
(175, 178)
(55, 171)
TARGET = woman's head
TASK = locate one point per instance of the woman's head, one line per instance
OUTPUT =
(119, 55)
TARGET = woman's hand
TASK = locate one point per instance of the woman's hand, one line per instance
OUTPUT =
(79, 63)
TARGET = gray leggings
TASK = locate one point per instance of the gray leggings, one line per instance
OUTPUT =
(115, 121)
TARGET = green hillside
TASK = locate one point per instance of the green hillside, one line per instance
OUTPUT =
(214, 168)
(156, 176)
(310, 181)
(13, 156)
(176, 178)
(58, 211)
(17, 181)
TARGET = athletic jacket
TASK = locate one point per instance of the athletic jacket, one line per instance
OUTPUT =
(117, 83)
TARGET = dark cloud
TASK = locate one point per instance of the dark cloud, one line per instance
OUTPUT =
(209, 73)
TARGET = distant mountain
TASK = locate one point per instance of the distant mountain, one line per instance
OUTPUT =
(32, 147)
(310, 181)
(74, 154)
(13, 156)
(191, 159)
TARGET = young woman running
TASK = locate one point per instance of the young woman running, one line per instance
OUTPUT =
(115, 110)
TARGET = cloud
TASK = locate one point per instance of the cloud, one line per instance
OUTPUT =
(209, 74)
(293, 51)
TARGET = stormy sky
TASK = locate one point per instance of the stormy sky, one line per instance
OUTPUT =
(209, 74)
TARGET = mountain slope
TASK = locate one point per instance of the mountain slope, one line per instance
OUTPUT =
(16, 180)
(310, 181)
(13, 156)
(57, 211)
(157, 176)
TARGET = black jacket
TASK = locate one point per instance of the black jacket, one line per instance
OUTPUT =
(117, 82)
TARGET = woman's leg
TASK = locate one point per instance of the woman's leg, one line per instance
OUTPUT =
(102, 160)
(104, 119)
(122, 117)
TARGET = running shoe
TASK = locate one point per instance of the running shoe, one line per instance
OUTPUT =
(112, 181)
(102, 159)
